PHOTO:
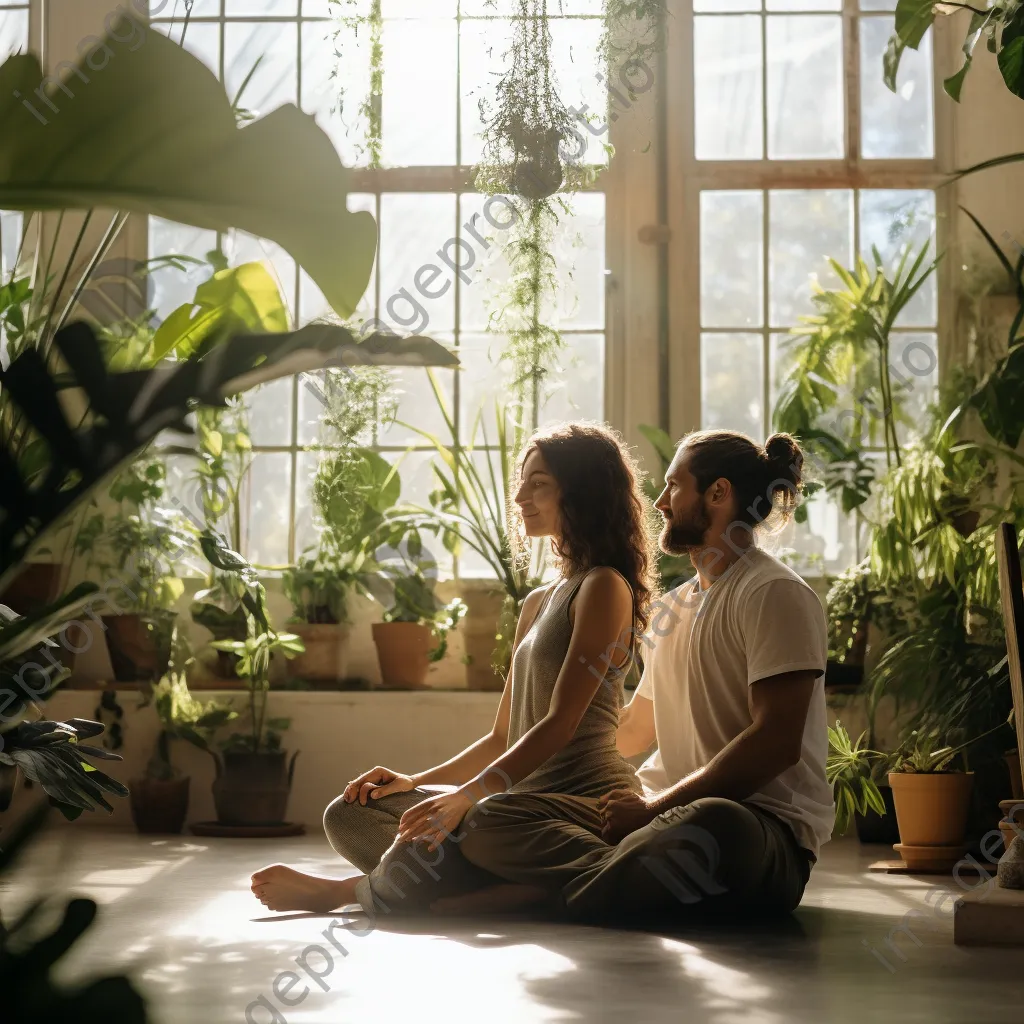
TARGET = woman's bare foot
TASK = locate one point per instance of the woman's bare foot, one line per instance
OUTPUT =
(495, 899)
(279, 887)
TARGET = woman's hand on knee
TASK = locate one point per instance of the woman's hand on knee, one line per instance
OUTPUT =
(375, 783)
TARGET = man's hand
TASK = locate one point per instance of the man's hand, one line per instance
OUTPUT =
(622, 812)
(375, 783)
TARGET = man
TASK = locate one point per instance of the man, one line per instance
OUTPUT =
(735, 803)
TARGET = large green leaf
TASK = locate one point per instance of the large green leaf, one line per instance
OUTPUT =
(151, 130)
(242, 298)
(913, 19)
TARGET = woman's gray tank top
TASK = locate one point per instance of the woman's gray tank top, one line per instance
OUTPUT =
(589, 765)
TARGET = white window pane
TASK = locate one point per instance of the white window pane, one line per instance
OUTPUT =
(578, 391)
(723, 6)
(313, 304)
(806, 228)
(805, 59)
(727, 82)
(11, 224)
(480, 218)
(13, 33)
(578, 248)
(731, 378)
(914, 368)
(483, 45)
(306, 534)
(418, 407)
(575, 52)
(276, 79)
(170, 10)
(420, 88)
(270, 413)
(169, 287)
(317, 8)
(731, 255)
(334, 88)
(804, 5)
(240, 248)
(483, 382)
(417, 294)
(891, 219)
(878, 5)
(507, 8)
(236, 8)
(827, 542)
(419, 8)
(895, 125)
(269, 492)
(202, 40)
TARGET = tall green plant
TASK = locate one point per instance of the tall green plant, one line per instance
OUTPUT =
(840, 392)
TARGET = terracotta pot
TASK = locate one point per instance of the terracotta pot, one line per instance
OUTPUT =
(139, 646)
(930, 859)
(253, 789)
(403, 650)
(326, 655)
(1016, 782)
(1010, 830)
(479, 629)
(159, 806)
(37, 585)
(931, 808)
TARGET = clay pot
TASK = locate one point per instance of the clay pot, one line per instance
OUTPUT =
(1013, 820)
(930, 859)
(36, 586)
(139, 645)
(326, 656)
(159, 806)
(931, 810)
(479, 629)
(253, 789)
(403, 650)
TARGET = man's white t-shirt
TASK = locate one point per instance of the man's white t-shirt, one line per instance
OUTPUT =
(758, 619)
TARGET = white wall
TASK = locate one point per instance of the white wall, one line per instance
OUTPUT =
(338, 735)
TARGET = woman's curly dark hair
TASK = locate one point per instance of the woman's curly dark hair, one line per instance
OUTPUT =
(605, 515)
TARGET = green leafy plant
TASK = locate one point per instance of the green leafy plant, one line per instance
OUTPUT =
(849, 769)
(849, 612)
(920, 752)
(255, 651)
(472, 508)
(182, 717)
(414, 600)
(1000, 24)
(848, 341)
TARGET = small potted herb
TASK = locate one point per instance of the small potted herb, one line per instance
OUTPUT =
(159, 799)
(414, 630)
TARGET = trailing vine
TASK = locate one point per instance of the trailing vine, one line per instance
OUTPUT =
(534, 155)
(350, 25)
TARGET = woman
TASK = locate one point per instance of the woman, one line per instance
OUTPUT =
(554, 732)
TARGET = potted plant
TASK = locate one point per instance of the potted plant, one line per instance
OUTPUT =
(413, 633)
(849, 612)
(319, 593)
(141, 546)
(932, 800)
(470, 509)
(159, 799)
(253, 779)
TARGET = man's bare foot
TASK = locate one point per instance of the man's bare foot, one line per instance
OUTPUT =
(495, 899)
(279, 887)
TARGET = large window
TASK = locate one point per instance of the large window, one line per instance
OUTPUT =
(789, 149)
(13, 39)
(440, 59)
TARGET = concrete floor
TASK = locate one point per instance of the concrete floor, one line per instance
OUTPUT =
(177, 914)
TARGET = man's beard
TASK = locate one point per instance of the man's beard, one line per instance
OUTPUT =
(681, 538)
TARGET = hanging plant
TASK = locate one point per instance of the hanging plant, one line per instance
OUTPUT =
(350, 26)
(534, 155)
